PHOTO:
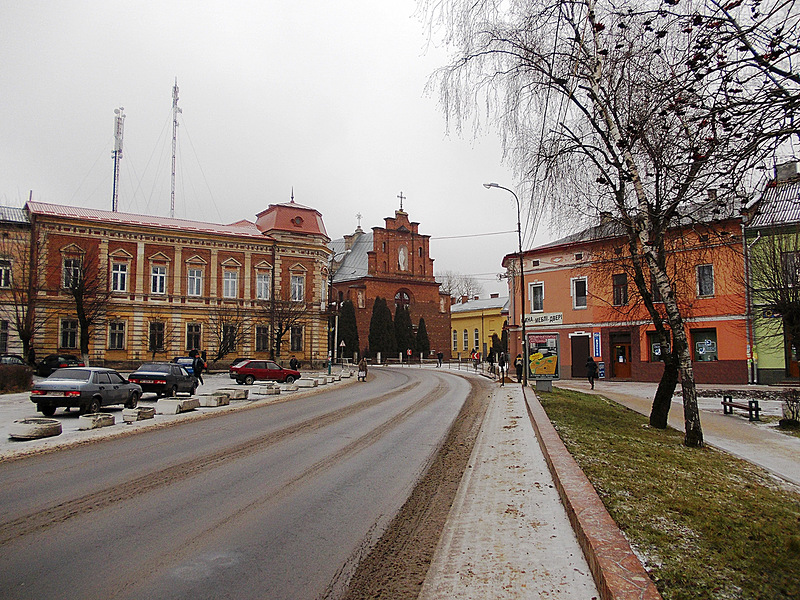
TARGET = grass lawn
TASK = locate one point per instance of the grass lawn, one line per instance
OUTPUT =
(706, 525)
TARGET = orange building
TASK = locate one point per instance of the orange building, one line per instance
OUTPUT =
(580, 289)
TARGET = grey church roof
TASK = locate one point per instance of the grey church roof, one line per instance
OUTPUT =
(355, 263)
(9, 214)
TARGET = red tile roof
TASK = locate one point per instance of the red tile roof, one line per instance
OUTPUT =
(240, 228)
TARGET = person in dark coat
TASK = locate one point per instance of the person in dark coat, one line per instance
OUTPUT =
(294, 363)
(439, 357)
(518, 365)
(198, 365)
(591, 371)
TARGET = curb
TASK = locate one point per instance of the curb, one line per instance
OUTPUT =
(617, 571)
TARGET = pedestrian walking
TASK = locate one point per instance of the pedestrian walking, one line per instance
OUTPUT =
(518, 366)
(501, 362)
(294, 363)
(362, 369)
(439, 357)
(198, 365)
(591, 370)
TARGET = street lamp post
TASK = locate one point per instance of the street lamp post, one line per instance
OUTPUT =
(521, 281)
(334, 350)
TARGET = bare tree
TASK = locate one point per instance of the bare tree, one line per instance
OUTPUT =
(637, 109)
(229, 327)
(458, 284)
(22, 250)
(86, 280)
(160, 335)
(284, 315)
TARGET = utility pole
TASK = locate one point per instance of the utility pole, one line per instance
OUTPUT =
(119, 125)
(175, 112)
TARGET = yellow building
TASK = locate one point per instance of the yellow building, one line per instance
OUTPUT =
(474, 322)
(154, 287)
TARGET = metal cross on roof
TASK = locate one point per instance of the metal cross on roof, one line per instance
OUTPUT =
(358, 216)
(401, 200)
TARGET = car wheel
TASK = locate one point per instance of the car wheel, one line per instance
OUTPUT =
(133, 400)
(48, 410)
(173, 391)
(94, 405)
(249, 380)
(289, 379)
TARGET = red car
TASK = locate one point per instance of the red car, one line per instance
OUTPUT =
(250, 370)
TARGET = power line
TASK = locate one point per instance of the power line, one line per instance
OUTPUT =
(474, 235)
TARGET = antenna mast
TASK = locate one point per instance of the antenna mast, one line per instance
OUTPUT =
(119, 125)
(175, 112)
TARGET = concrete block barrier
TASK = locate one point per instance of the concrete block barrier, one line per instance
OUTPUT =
(34, 428)
(95, 421)
(213, 400)
(235, 393)
(140, 413)
(306, 383)
(174, 406)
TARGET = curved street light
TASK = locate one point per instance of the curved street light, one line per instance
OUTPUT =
(333, 352)
(521, 280)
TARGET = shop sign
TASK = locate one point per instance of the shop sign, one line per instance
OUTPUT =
(536, 319)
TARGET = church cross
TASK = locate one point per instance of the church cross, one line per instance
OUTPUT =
(401, 200)
(358, 216)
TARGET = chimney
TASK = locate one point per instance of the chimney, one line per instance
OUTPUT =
(494, 295)
(712, 194)
(605, 217)
(786, 171)
(464, 299)
(477, 298)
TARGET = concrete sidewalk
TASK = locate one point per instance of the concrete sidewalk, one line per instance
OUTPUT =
(526, 523)
(756, 442)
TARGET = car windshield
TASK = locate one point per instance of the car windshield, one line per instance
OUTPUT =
(74, 374)
(154, 367)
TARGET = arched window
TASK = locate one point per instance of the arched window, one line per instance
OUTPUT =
(466, 340)
(402, 298)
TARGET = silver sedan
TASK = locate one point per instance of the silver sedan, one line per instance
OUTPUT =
(85, 388)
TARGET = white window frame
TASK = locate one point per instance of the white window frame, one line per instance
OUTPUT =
(700, 293)
(194, 282)
(477, 334)
(158, 280)
(531, 296)
(455, 340)
(119, 277)
(230, 284)
(574, 292)
(298, 287)
(466, 340)
(263, 285)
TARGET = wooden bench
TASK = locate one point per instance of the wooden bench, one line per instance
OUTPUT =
(751, 407)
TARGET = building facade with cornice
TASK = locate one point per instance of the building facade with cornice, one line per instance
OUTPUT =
(391, 262)
(164, 286)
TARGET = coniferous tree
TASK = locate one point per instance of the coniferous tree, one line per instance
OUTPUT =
(381, 330)
(423, 342)
(403, 330)
(348, 330)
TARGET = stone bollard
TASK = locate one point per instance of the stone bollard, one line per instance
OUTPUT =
(306, 383)
(174, 406)
(235, 393)
(95, 421)
(214, 399)
(140, 413)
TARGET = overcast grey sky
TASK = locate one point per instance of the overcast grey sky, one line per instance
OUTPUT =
(324, 97)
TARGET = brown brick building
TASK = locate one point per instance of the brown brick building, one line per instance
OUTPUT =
(392, 262)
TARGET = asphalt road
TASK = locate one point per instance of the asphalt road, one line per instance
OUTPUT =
(277, 501)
